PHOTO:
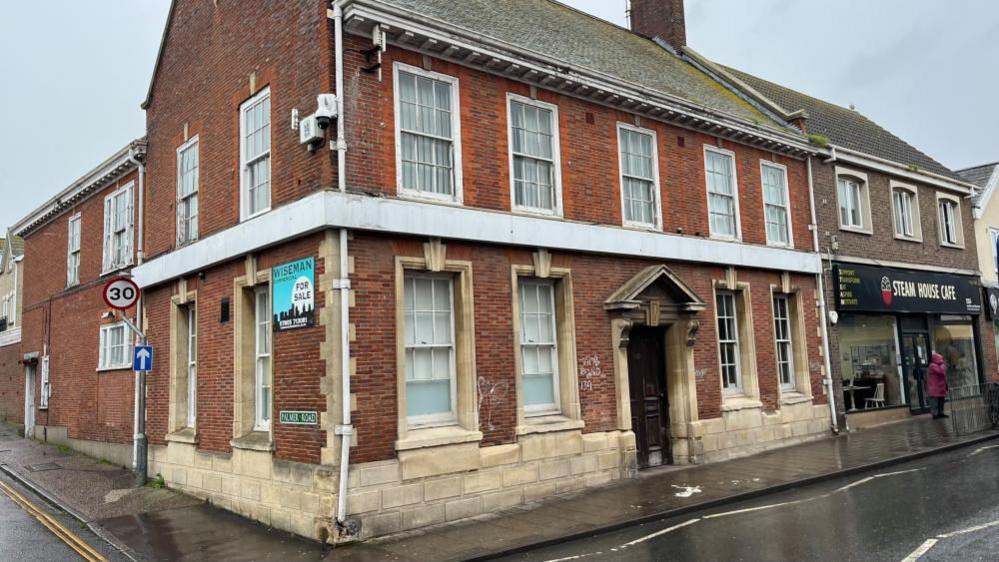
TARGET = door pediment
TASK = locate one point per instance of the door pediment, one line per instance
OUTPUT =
(658, 292)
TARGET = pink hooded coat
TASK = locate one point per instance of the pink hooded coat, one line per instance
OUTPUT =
(938, 376)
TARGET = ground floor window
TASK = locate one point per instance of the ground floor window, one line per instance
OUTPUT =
(954, 338)
(868, 355)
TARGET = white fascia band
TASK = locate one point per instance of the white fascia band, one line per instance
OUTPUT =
(332, 209)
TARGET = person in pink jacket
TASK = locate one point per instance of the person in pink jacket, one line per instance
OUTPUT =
(937, 385)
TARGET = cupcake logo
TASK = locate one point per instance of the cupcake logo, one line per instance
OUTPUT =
(886, 290)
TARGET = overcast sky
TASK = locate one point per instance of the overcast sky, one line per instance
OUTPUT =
(75, 73)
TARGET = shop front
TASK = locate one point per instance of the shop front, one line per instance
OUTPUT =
(888, 323)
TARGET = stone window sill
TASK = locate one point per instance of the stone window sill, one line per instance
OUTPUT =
(794, 398)
(857, 230)
(436, 436)
(186, 435)
(254, 441)
(549, 423)
(733, 403)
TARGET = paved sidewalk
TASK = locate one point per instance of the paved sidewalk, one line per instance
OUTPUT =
(663, 493)
(143, 523)
(151, 524)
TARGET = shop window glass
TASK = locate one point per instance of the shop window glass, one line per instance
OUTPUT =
(956, 342)
(995, 331)
(868, 358)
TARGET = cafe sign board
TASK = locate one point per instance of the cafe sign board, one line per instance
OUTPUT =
(865, 288)
(298, 417)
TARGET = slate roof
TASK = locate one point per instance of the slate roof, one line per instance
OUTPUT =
(845, 127)
(559, 32)
(979, 175)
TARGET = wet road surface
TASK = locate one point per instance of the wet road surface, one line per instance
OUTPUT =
(946, 504)
(24, 539)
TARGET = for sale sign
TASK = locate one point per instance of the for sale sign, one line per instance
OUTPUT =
(294, 294)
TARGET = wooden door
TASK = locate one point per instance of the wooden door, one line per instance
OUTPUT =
(649, 405)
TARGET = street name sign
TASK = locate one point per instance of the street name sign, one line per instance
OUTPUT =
(298, 417)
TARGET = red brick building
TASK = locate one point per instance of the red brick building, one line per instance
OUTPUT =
(76, 362)
(546, 252)
(897, 233)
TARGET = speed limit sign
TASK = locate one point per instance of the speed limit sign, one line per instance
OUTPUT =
(121, 293)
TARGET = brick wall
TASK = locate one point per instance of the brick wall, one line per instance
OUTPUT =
(210, 52)
(296, 365)
(11, 384)
(882, 244)
(594, 279)
(65, 323)
(588, 138)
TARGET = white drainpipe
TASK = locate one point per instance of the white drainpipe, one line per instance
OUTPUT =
(138, 310)
(346, 429)
(823, 315)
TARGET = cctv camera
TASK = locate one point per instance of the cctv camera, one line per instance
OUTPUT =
(326, 109)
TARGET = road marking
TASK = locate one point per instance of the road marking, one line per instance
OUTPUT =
(576, 557)
(980, 449)
(869, 478)
(968, 530)
(923, 549)
(686, 491)
(73, 541)
(759, 508)
(659, 533)
(929, 543)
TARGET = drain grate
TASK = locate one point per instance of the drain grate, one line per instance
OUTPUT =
(42, 467)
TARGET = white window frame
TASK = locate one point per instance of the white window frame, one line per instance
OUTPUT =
(863, 201)
(104, 354)
(259, 422)
(458, 195)
(111, 249)
(735, 193)
(736, 387)
(45, 390)
(958, 226)
(657, 210)
(556, 406)
(556, 161)
(787, 204)
(73, 252)
(182, 236)
(914, 217)
(192, 365)
(442, 418)
(993, 239)
(788, 341)
(244, 164)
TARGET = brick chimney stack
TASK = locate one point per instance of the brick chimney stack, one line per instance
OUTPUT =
(661, 19)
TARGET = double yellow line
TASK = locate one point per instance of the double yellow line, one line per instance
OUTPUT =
(67, 536)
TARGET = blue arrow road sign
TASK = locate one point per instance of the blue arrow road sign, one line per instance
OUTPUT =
(142, 358)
